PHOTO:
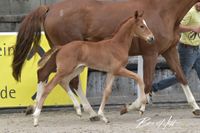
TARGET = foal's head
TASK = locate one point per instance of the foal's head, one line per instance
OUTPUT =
(140, 28)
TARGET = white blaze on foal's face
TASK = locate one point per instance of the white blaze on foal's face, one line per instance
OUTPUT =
(144, 22)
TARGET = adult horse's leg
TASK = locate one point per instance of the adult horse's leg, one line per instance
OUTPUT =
(106, 94)
(171, 56)
(149, 69)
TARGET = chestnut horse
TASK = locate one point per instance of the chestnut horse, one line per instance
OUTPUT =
(112, 56)
(94, 20)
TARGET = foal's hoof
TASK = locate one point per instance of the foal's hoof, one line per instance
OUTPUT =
(123, 110)
(36, 125)
(95, 118)
(29, 110)
(141, 112)
(78, 113)
(196, 112)
(106, 120)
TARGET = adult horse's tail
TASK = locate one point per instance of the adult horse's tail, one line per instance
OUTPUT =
(28, 36)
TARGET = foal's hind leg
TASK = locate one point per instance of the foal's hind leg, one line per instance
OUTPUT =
(40, 88)
(42, 75)
(45, 93)
(141, 100)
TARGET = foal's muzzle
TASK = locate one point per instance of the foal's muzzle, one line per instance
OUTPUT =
(151, 40)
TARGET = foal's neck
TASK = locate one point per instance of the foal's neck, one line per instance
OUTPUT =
(124, 36)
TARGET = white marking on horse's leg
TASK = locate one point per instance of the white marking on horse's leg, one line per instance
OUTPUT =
(107, 91)
(142, 108)
(65, 84)
(135, 105)
(48, 88)
(77, 105)
(190, 98)
(140, 102)
(36, 115)
(40, 90)
(149, 101)
(141, 97)
(86, 105)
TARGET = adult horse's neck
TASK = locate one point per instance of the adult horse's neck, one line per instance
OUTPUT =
(176, 8)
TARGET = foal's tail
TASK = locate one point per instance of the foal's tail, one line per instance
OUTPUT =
(43, 61)
(29, 32)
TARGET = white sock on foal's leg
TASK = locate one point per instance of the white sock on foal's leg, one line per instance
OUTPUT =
(77, 105)
(65, 84)
(36, 115)
(86, 105)
(40, 90)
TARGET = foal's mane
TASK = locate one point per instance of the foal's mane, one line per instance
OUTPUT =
(123, 22)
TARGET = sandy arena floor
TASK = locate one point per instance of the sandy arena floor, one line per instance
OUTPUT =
(157, 119)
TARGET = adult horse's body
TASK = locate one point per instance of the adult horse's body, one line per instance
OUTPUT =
(93, 20)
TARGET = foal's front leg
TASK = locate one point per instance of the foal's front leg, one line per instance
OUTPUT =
(76, 103)
(86, 105)
(106, 94)
(140, 102)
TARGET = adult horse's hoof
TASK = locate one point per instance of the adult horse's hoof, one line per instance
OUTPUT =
(123, 110)
(29, 110)
(95, 118)
(196, 112)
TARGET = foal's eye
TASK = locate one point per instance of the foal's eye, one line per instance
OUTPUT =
(142, 26)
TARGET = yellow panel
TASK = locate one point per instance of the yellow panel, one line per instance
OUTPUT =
(13, 94)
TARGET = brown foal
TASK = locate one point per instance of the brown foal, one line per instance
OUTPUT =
(109, 55)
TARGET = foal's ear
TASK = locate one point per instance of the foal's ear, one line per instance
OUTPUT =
(138, 14)
(141, 13)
